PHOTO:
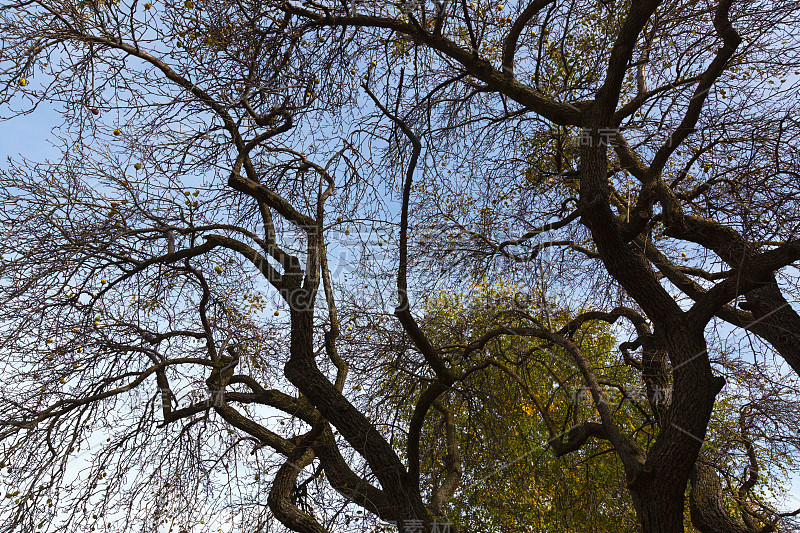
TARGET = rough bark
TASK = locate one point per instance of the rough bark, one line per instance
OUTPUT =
(707, 505)
(660, 492)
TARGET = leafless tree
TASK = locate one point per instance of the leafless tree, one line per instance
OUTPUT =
(170, 284)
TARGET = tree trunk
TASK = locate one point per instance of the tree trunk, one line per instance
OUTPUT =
(302, 371)
(660, 510)
(659, 493)
(707, 505)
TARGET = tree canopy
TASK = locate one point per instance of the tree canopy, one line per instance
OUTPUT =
(330, 266)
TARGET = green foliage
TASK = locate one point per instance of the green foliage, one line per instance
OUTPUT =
(512, 480)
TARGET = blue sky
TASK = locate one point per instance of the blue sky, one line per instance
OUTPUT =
(27, 136)
(31, 136)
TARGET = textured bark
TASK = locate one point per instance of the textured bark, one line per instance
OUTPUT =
(280, 494)
(660, 493)
(659, 510)
(707, 505)
(655, 374)
(658, 488)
